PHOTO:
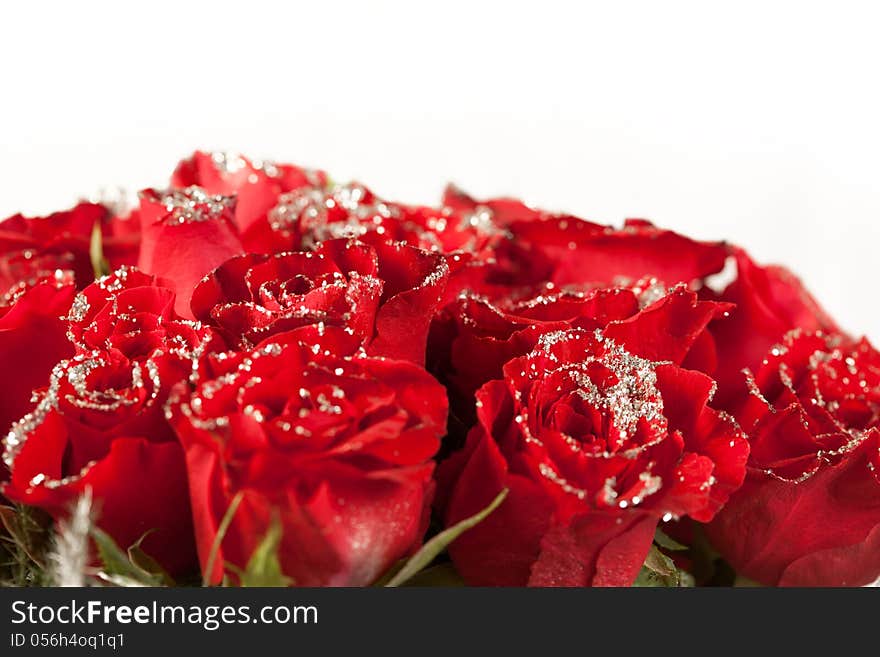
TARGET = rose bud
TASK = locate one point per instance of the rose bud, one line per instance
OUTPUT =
(598, 435)
(808, 513)
(35, 247)
(186, 234)
(385, 294)
(33, 339)
(337, 448)
(100, 423)
(256, 184)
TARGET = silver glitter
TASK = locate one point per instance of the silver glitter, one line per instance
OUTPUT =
(192, 204)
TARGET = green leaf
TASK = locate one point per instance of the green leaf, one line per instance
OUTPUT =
(441, 541)
(663, 540)
(218, 539)
(117, 563)
(96, 251)
(147, 564)
(659, 563)
(660, 570)
(264, 568)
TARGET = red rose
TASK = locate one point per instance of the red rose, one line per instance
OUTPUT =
(186, 234)
(32, 339)
(282, 208)
(256, 184)
(475, 336)
(338, 446)
(100, 424)
(384, 294)
(310, 215)
(35, 247)
(582, 252)
(505, 211)
(808, 513)
(598, 434)
(770, 301)
(565, 250)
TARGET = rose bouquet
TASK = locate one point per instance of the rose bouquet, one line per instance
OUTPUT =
(260, 377)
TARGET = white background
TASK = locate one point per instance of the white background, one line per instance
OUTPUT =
(754, 122)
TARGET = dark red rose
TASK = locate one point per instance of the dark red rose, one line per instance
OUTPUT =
(770, 302)
(32, 339)
(35, 247)
(256, 184)
(100, 423)
(385, 294)
(337, 447)
(186, 234)
(808, 513)
(598, 435)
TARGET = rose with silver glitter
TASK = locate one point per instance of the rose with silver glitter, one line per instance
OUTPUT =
(384, 294)
(599, 435)
(808, 513)
(100, 422)
(335, 443)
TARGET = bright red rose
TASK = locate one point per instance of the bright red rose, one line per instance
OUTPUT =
(186, 234)
(100, 424)
(598, 434)
(808, 513)
(33, 339)
(337, 447)
(385, 294)
(35, 247)
(256, 184)
(770, 302)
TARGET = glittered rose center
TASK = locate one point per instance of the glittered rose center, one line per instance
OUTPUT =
(815, 398)
(828, 379)
(191, 205)
(606, 403)
(592, 418)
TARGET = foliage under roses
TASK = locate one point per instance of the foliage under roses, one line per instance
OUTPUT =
(244, 379)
